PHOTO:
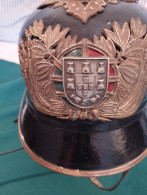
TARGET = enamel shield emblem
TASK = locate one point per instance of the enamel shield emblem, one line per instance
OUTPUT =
(85, 80)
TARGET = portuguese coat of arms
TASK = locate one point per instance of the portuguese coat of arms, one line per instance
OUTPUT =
(85, 80)
(99, 79)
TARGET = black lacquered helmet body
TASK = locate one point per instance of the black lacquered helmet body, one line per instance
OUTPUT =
(84, 110)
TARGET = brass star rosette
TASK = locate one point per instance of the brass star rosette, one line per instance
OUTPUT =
(81, 9)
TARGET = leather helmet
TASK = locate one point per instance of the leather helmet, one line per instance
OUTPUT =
(85, 67)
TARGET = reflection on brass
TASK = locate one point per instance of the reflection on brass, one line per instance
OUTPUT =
(82, 9)
(73, 88)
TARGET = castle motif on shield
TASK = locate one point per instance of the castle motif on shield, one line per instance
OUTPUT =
(85, 80)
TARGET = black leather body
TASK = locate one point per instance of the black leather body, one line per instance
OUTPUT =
(123, 12)
(85, 145)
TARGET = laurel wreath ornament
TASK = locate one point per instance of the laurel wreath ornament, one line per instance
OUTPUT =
(41, 57)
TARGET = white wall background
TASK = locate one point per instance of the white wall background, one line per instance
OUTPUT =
(143, 2)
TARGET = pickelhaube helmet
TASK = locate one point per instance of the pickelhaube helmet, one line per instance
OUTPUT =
(85, 67)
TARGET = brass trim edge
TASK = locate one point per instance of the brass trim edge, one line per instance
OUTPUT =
(78, 173)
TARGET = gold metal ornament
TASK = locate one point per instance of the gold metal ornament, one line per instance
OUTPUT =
(62, 84)
(81, 9)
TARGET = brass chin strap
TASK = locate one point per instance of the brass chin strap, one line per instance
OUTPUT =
(95, 181)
